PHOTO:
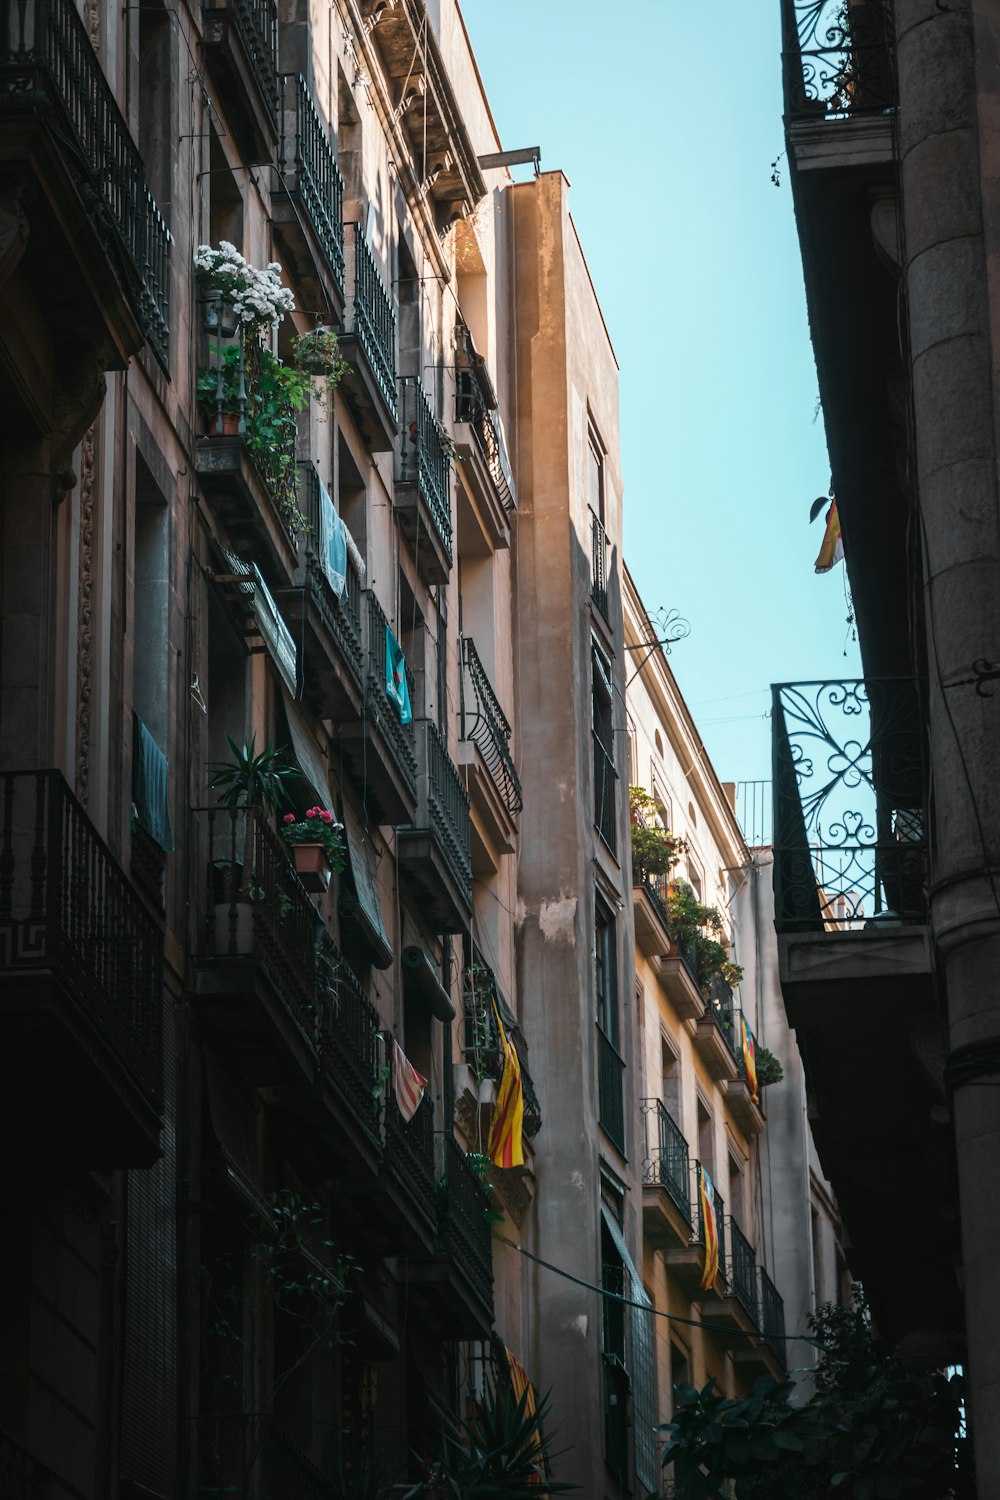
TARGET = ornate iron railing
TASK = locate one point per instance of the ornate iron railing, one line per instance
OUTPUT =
(426, 456)
(482, 1047)
(720, 1217)
(484, 723)
(605, 793)
(257, 25)
(742, 1270)
(67, 908)
(399, 736)
(772, 1317)
(725, 1015)
(444, 802)
(347, 1033)
(373, 319)
(465, 1229)
(474, 404)
(657, 889)
(849, 841)
(611, 1089)
(342, 616)
(667, 1161)
(47, 62)
(255, 907)
(598, 564)
(409, 1153)
(251, 1455)
(305, 146)
(838, 58)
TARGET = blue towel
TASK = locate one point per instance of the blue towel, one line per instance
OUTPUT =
(150, 778)
(395, 677)
(332, 543)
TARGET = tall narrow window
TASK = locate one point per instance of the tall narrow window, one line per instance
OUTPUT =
(225, 198)
(610, 1067)
(706, 1139)
(605, 775)
(614, 1349)
(595, 476)
(154, 96)
(606, 974)
(670, 1089)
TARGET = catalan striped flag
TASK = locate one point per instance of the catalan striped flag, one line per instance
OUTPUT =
(522, 1388)
(831, 550)
(710, 1231)
(749, 1056)
(408, 1083)
(506, 1143)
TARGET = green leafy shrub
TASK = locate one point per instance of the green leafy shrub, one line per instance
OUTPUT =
(655, 851)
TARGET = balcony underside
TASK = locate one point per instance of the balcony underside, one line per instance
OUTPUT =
(726, 1314)
(665, 1224)
(416, 522)
(755, 1358)
(445, 900)
(486, 504)
(330, 1127)
(492, 823)
(240, 1007)
(247, 112)
(332, 667)
(242, 504)
(686, 1265)
(748, 1115)
(452, 1299)
(865, 1014)
(64, 1091)
(713, 1049)
(682, 991)
(365, 397)
(371, 762)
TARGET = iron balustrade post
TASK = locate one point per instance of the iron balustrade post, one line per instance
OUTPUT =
(743, 1270)
(484, 724)
(426, 457)
(447, 803)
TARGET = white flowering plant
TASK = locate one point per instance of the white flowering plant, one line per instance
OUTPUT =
(257, 297)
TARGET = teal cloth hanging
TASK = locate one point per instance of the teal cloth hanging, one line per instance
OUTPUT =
(395, 677)
(151, 781)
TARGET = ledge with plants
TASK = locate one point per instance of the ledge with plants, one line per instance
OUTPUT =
(692, 922)
(316, 844)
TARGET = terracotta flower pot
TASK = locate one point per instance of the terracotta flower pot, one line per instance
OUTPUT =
(228, 425)
(312, 866)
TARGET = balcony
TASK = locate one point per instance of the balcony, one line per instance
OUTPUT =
(246, 463)
(456, 1284)
(611, 1090)
(368, 344)
(241, 50)
(484, 752)
(837, 59)
(750, 1116)
(850, 873)
(483, 1053)
(435, 853)
(686, 1261)
(715, 1036)
(666, 1180)
(423, 485)
(379, 751)
(766, 1355)
(307, 200)
(250, 1454)
(95, 276)
(254, 966)
(82, 992)
(407, 1178)
(486, 467)
(329, 628)
(737, 1311)
(599, 549)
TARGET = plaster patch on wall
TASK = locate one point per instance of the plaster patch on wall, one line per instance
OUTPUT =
(576, 1179)
(556, 919)
(579, 1325)
(520, 912)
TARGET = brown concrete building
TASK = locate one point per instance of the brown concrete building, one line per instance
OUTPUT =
(886, 813)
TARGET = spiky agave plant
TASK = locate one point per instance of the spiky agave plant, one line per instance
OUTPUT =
(503, 1455)
(254, 780)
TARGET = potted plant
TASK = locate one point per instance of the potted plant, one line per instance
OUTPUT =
(317, 354)
(276, 394)
(769, 1069)
(256, 781)
(222, 383)
(655, 851)
(691, 922)
(317, 846)
(237, 294)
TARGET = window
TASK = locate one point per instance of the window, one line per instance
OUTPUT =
(658, 743)
(610, 1067)
(225, 199)
(737, 1201)
(595, 475)
(606, 973)
(603, 721)
(680, 1370)
(670, 1081)
(706, 1138)
(616, 1380)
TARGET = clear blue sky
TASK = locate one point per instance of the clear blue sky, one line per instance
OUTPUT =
(666, 115)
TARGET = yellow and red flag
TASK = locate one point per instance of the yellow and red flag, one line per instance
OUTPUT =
(749, 1056)
(710, 1231)
(408, 1083)
(522, 1386)
(832, 549)
(506, 1144)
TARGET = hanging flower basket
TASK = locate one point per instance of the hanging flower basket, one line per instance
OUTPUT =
(312, 866)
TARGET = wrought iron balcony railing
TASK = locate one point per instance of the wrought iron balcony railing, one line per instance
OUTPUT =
(772, 1317)
(409, 1152)
(306, 150)
(657, 889)
(47, 56)
(257, 25)
(474, 403)
(251, 1455)
(399, 736)
(720, 1218)
(426, 457)
(838, 58)
(742, 1270)
(342, 616)
(605, 793)
(465, 1230)
(598, 564)
(484, 723)
(611, 1089)
(483, 1049)
(373, 320)
(849, 797)
(667, 1162)
(67, 909)
(443, 801)
(256, 908)
(347, 1033)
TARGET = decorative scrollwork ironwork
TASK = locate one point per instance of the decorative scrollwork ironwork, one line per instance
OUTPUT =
(838, 58)
(848, 803)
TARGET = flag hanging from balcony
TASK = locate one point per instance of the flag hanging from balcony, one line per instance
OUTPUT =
(506, 1144)
(332, 543)
(832, 550)
(709, 1229)
(749, 1056)
(408, 1083)
(395, 677)
(523, 1390)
